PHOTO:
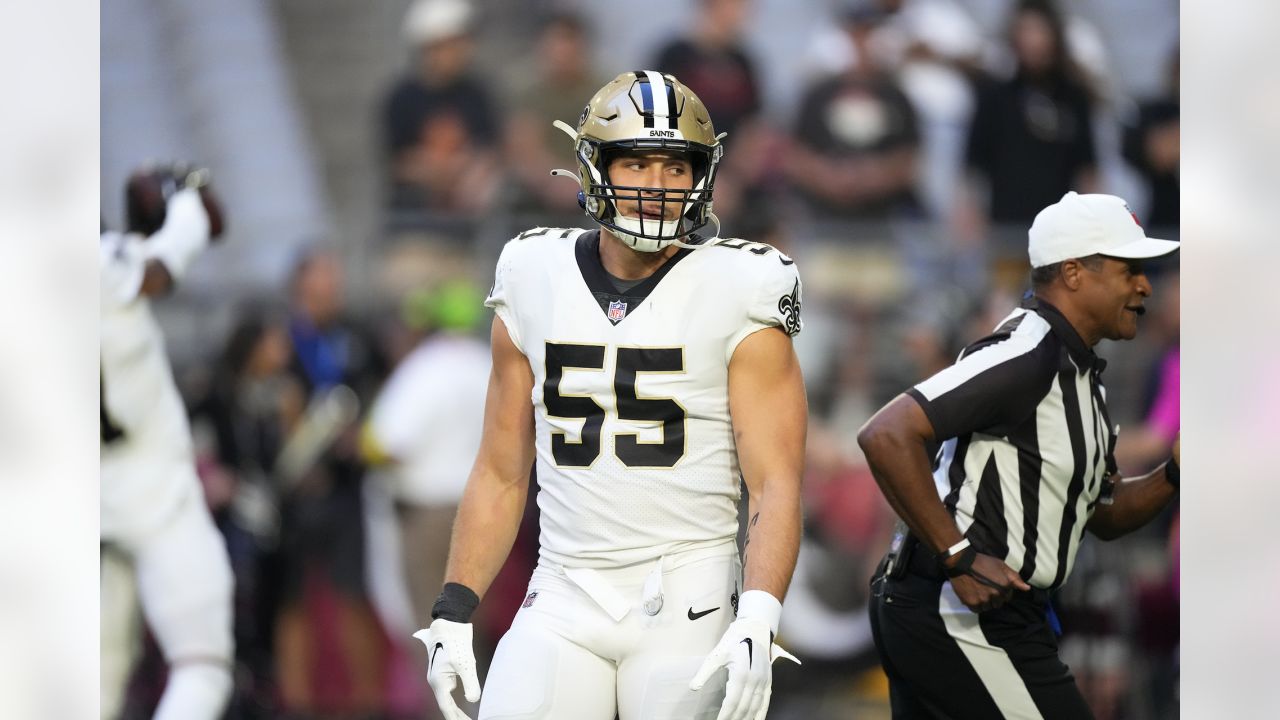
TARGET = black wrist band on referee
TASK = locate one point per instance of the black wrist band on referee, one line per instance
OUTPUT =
(964, 561)
(1171, 473)
(455, 604)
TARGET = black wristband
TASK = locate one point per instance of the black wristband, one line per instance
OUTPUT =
(455, 604)
(1171, 473)
(964, 561)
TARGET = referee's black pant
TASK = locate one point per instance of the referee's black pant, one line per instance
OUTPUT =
(944, 661)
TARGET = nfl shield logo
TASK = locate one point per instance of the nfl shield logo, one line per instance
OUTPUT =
(617, 310)
(528, 600)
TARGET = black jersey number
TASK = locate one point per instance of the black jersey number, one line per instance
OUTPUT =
(629, 364)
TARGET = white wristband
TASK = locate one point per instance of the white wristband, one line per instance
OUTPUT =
(760, 605)
(955, 549)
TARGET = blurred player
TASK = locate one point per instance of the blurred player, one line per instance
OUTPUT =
(154, 523)
(646, 367)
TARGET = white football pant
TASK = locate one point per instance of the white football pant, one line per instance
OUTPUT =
(184, 583)
(120, 629)
(585, 646)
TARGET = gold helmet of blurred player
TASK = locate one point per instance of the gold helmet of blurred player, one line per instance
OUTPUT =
(645, 110)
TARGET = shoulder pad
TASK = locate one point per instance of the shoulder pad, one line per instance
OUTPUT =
(753, 248)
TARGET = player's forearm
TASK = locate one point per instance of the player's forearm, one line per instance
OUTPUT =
(1134, 503)
(899, 463)
(773, 534)
(770, 420)
(485, 529)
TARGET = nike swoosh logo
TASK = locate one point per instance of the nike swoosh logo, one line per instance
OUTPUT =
(749, 652)
(433, 656)
(695, 615)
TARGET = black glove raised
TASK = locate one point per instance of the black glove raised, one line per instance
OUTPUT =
(149, 188)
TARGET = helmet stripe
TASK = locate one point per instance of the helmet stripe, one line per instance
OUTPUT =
(673, 112)
(661, 108)
(646, 97)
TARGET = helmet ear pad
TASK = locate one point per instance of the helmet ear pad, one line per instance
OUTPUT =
(701, 176)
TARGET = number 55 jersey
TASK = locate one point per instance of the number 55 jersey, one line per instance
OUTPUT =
(635, 448)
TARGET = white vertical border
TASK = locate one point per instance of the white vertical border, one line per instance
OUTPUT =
(1230, 574)
(48, 377)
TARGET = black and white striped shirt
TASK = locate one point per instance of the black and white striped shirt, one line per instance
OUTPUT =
(1026, 441)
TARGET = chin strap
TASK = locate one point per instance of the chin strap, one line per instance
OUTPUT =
(715, 221)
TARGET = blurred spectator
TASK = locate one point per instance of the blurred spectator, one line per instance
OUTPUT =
(426, 426)
(715, 63)
(1032, 135)
(322, 569)
(855, 141)
(1152, 145)
(551, 90)
(937, 47)
(330, 348)
(251, 406)
(441, 126)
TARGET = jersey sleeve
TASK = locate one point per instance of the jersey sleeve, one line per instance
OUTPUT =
(776, 299)
(991, 389)
(122, 263)
(501, 295)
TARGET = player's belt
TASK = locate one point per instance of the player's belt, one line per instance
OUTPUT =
(614, 603)
(598, 589)
(599, 585)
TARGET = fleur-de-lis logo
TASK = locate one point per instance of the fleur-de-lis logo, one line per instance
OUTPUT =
(789, 306)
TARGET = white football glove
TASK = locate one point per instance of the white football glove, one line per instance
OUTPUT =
(748, 651)
(449, 658)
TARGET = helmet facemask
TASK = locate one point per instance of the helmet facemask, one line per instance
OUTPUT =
(682, 210)
(624, 118)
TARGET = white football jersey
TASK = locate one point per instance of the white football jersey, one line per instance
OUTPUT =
(635, 450)
(144, 423)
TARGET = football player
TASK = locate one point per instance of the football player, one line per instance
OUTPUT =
(153, 513)
(647, 367)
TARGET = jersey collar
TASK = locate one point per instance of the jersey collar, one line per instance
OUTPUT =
(1081, 353)
(587, 251)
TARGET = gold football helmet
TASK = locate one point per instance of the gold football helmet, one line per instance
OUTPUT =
(637, 111)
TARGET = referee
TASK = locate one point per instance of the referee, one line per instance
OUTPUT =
(1024, 466)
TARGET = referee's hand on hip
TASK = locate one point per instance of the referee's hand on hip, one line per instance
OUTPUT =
(987, 584)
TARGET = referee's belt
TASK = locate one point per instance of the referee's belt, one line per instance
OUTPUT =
(925, 564)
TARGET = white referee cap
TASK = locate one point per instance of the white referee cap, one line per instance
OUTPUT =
(1082, 225)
